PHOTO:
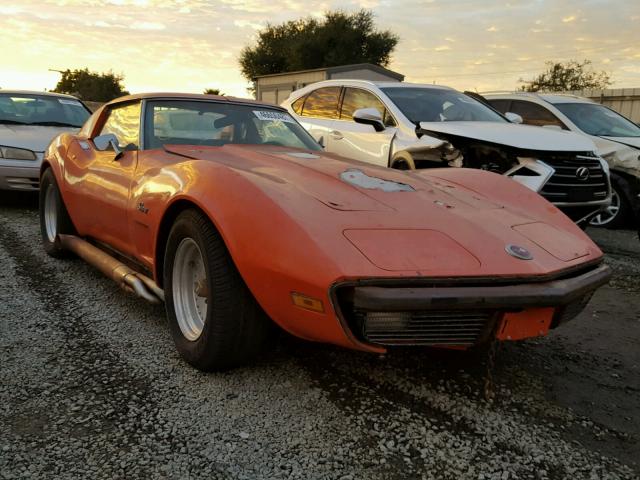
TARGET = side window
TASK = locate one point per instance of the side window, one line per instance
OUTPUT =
(124, 123)
(501, 105)
(297, 105)
(356, 98)
(322, 103)
(534, 114)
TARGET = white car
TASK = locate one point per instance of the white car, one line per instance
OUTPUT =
(406, 126)
(616, 137)
(28, 123)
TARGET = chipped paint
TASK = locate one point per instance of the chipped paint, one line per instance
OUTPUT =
(360, 179)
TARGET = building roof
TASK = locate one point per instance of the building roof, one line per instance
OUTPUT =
(342, 68)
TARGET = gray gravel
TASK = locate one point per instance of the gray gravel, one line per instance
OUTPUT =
(91, 387)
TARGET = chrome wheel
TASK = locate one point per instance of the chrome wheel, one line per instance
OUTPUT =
(609, 214)
(51, 213)
(190, 289)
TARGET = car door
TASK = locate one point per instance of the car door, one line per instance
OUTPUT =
(318, 113)
(358, 141)
(100, 181)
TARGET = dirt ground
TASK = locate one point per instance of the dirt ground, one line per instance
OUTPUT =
(91, 387)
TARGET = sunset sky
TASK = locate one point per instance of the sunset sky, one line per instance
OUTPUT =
(183, 45)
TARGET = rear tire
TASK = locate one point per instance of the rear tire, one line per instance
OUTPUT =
(54, 218)
(214, 320)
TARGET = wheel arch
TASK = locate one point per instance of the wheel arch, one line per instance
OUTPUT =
(403, 158)
(164, 228)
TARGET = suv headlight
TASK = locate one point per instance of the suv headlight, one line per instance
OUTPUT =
(17, 153)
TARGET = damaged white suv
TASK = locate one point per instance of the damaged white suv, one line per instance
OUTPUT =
(407, 126)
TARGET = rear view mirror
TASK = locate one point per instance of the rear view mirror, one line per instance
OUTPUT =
(514, 117)
(369, 116)
(107, 142)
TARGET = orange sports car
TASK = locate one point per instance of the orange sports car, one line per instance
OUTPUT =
(230, 213)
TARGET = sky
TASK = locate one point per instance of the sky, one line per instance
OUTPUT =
(187, 46)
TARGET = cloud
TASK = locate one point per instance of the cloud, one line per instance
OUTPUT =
(148, 26)
(492, 28)
(569, 19)
(247, 23)
(442, 48)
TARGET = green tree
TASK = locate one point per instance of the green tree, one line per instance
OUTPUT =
(212, 91)
(91, 86)
(572, 75)
(338, 39)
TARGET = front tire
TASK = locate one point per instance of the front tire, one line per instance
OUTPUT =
(617, 214)
(214, 320)
(54, 218)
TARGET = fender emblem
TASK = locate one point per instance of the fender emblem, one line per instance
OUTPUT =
(142, 208)
(519, 252)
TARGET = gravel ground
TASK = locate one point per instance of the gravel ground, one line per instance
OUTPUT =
(91, 387)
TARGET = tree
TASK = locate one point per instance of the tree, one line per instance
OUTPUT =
(337, 39)
(91, 86)
(212, 91)
(572, 75)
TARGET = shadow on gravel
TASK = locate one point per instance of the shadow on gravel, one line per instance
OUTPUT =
(19, 200)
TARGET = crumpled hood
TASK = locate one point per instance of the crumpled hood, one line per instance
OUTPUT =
(527, 137)
(629, 141)
(31, 137)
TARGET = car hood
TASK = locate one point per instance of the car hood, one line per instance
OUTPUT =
(519, 136)
(406, 210)
(31, 137)
(628, 141)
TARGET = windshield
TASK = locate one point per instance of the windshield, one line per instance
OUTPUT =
(440, 105)
(184, 122)
(48, 110)
(598, 120)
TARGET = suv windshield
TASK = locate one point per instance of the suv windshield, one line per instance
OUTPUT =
(598, 120)
(439, 105)
(48, 110)
(185, 122)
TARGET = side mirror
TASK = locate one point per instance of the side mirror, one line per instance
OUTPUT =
(514, 117)
(108, 142)
(369, 116)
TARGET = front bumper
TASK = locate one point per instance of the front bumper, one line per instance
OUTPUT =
(451, 315)
(20, 175)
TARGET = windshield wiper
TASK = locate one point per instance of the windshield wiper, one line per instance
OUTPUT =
(54, 124)
(13, 122)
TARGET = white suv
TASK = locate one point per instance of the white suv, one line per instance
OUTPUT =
(407, 126)
(617, 140)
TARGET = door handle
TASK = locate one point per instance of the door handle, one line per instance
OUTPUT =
(336, 135)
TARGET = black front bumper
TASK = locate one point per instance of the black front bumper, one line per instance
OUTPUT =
(528, 295)
(456, 312)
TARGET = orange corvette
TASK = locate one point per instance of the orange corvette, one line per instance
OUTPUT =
(230, 213)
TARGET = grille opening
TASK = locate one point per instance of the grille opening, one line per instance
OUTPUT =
(464, 328)
(566, 185)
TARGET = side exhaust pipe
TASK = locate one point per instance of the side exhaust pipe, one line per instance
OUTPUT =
(140, 284)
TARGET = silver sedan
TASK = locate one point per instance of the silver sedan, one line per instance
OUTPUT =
(28, 122)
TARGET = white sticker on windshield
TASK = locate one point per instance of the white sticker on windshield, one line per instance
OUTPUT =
(70, 102)
(273, 115)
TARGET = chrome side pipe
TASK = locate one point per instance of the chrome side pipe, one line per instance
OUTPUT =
(112, 268)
